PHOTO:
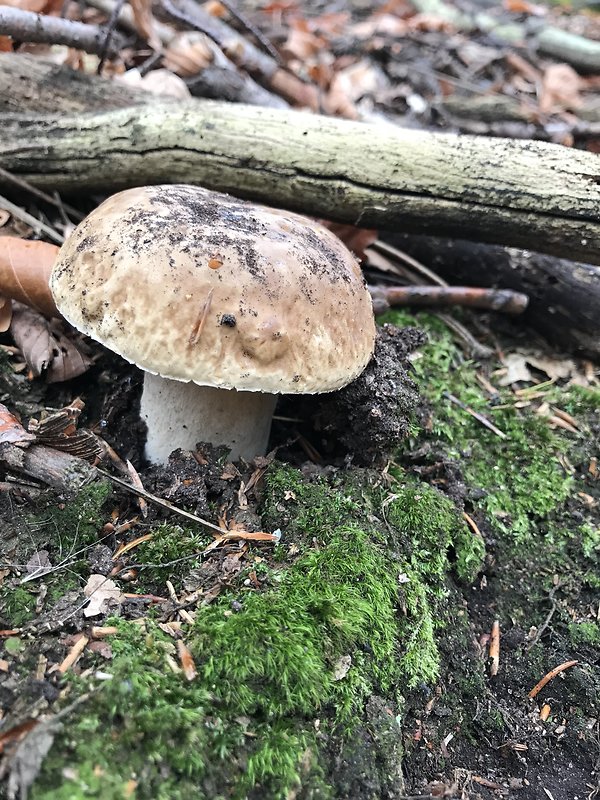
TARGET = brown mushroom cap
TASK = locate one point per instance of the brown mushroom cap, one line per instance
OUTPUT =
(199, 286)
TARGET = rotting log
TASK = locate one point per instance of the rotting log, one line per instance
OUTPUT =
(564, 296)
(525, 194)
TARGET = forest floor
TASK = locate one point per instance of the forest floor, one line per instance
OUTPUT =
(386, 638)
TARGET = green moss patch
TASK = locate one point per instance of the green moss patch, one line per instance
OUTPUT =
(349, 613)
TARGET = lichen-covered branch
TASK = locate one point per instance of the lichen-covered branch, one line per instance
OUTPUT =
(527, 194)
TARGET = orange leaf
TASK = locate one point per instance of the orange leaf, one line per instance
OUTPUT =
(25, 268)
(11, 429)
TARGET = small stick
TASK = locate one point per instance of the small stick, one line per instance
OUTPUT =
(465, 338)
(549, 676)
(159, 501)
(258, 34)
(35, 223)
(74, 654)
(479, 417)
(495, 648)
(26, 26)
(23, 184)
(400, 255)
(102, 631)
(505, 300)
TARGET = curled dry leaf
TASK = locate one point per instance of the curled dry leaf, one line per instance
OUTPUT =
(45, 346)
(560, 89)
(11, 429)
(355, 239)
(188, 54)
(102, 593)
(25, 268)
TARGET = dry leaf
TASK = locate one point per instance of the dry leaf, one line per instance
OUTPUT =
(25, 763)
(11, 429)
(188, 54)
(561, 87)
(58, 429)
(45, 346)
(517, 370)
(144, 22)
(39, 564)
(553, 367)
(380, 25)
(355, 239)
(349, 85)
(302, 43)
(186, 661)
(163, 82)
(25, 268)
(102, 593)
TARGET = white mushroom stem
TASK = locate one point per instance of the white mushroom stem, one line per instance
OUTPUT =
(182, 414)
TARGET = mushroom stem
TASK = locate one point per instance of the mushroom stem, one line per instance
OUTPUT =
(183, 414)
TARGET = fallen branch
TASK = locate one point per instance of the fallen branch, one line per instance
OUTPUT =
(220, 78)
(498, 190)
(581, 53)
(564, 296)
(65, 473)
(494, 299)
(26, 26)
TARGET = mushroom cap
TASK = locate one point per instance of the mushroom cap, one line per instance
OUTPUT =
(199, 286)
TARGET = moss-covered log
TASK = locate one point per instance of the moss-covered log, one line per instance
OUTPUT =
(527, 194)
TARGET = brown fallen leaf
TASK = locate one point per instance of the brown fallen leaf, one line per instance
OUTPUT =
(561, 87)
(11, 429)
(25, 268)
(45, 346)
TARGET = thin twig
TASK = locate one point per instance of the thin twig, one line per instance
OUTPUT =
(26, 26)
(112, 23)
(546, 622)
(23, 184)
(258, 34)
(466, 339)
(400, 255)
(28, 218)
(159, 501)
(506, 300)
(549, 676)
(479, 417)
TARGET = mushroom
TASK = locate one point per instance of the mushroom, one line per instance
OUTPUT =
(223, 304)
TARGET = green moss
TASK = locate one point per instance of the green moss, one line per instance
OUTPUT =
(585, 633)
(76, 522)
(17, 606)
(169, 554)
(266, 660)
(520, 476)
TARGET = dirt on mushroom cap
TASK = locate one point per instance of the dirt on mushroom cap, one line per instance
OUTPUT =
(196, 285)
